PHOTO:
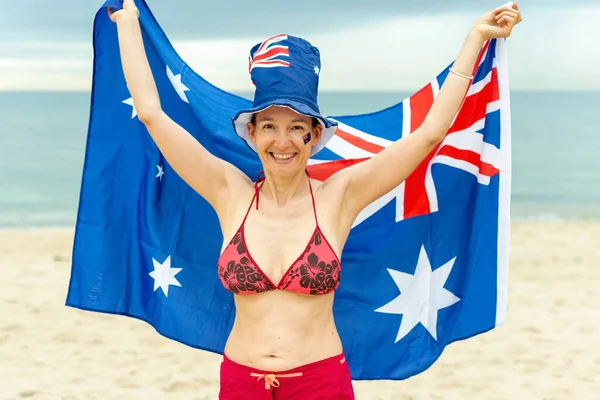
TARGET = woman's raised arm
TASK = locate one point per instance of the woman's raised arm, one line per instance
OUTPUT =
(214, 179)
(363, 183)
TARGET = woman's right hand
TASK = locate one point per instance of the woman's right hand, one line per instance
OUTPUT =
(129, 9)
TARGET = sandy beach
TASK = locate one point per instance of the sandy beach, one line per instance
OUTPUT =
(549, 347)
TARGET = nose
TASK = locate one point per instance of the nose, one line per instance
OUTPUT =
(282, 141)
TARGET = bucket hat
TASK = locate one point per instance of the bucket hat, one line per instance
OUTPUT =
(285, 71)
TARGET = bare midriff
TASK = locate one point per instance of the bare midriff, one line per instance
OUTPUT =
(280, 330)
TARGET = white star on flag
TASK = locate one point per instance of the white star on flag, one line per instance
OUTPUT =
(129, 101)
(160, 172)
(177, 84)
(164, 275)
(317, 70)
(422, 295)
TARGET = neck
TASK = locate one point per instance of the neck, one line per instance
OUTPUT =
(282, 189)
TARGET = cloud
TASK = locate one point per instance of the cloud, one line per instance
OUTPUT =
(557, 50)
(29, 20)
(394, 53)
(50, 66)
(401, 54)
(52, 80)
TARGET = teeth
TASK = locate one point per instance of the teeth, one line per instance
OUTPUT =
(282, 156)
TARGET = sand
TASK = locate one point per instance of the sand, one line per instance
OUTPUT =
(549, 347)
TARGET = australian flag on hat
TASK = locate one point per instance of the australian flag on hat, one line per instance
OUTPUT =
(285, 71)
(270, 53)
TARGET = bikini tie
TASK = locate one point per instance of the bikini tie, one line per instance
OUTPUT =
(256, 187)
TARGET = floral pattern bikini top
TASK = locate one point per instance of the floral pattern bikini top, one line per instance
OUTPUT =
(315, 271)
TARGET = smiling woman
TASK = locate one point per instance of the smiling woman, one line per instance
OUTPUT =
(285, 254)
(281, 135)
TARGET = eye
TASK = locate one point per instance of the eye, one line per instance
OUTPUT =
(298, 128)
(268, 126)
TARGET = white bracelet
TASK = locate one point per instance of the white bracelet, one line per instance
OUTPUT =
(461, 75)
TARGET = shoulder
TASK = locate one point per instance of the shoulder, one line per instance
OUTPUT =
(332, 214)
(334, 187)
(331, 203)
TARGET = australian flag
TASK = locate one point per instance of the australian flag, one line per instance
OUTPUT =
(424, 266)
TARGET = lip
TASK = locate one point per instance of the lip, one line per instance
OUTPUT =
(278, 161)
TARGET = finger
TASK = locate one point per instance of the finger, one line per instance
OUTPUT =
(506, 17)
(129, 4)
(503, 21)
(507, 13)
(511, 11)
(504, 13)
(510, 21)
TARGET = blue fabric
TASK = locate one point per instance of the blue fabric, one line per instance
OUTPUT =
(285, 70)
(115, 4)
(423, 267)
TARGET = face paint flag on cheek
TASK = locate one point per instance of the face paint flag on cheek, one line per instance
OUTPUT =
(306, 138)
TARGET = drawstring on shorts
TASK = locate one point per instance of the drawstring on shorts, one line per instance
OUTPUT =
(271, 379)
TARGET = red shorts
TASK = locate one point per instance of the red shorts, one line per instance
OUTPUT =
(327, 379)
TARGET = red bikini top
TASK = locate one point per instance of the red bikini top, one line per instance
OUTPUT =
(315, 271)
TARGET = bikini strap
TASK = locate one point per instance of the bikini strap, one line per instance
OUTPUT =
(313, 199)
(260, 180)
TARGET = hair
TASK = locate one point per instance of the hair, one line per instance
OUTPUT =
(315, 121)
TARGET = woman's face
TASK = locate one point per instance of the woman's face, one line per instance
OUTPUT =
(283, 139)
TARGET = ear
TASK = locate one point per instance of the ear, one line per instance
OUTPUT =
(251, 132)
(317, 134)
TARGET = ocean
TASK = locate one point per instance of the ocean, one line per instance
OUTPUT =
(556, 153)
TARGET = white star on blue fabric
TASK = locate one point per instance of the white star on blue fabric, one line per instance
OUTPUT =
(160, 172)
(164, 275)
(177, 84)
(129, 101)
(317, 70)
(422, 295)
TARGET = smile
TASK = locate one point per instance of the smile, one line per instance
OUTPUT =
(282, 158)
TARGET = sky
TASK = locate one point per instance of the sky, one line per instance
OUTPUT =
(367, 45)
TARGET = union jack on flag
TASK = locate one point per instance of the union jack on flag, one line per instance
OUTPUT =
(463, 148)
(424, 266)
(270, 53)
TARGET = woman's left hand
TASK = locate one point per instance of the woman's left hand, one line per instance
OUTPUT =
(498, 23)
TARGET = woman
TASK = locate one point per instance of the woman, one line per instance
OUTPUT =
(287, 231)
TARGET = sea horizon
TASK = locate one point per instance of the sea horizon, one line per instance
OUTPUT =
(555, 142)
